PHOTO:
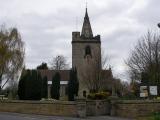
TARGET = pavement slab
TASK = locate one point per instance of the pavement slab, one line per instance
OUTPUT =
(17, 116)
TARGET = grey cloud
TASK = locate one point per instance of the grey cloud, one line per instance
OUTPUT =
(149, 15)
(46, 26)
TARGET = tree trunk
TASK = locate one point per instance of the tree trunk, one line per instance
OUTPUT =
(0, 82)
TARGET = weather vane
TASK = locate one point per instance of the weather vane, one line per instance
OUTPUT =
(86, 3)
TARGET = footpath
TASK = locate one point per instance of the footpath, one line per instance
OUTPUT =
(17, 116)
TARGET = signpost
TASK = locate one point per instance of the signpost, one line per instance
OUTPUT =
(143, 91)
(146, 91)
(153, 90)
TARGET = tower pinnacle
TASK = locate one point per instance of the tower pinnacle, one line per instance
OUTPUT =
(86, 29)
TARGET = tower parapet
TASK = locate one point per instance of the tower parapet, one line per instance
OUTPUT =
(75, 36)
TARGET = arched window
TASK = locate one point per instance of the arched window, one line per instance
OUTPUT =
(84, 94)
(88, 50)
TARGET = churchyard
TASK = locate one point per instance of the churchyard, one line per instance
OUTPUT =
(86, 88)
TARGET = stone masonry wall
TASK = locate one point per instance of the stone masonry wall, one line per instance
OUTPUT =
(136, 108)
(97, 107)
(78, 54)
(78, 108)
(83, 108)
(38, 107)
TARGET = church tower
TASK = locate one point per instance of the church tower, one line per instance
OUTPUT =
(86, 52)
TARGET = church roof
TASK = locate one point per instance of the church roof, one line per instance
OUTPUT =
(107, 73)
(86, 29)
(65, 74)
(50, 73)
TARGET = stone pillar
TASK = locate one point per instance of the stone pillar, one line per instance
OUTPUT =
(113, 101)
(49, 91)
(81, 107)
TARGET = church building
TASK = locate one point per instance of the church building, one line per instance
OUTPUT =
(86, 57)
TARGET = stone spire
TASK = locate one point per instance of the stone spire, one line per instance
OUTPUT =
(86, 29)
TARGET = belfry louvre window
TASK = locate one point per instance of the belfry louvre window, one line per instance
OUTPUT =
(88, 51)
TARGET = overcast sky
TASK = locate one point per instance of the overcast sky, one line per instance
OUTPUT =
(46, 26)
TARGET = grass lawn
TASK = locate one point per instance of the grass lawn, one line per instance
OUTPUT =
(154, 116)
(148, 118)
(145, 118)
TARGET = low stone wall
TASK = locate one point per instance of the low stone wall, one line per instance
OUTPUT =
(135, 108)
(38, 107)
(78, 108)
(83, 108)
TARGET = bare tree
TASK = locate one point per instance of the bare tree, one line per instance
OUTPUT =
(93, 76)
(120, 87)
(59, 63)
(144, 61)
(11, 54)
(90, 79)
(105, 60)
(13, 88)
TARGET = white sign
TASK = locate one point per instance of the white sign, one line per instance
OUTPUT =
(143, 95)
(153, 90)
(143, 91)
(63, 82)
(49, 82)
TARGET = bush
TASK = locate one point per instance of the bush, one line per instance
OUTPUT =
(73, 85)
(156, 116)
(153, 116)
(55, 88)
(98, 96)
(30, 85)
(129, 96)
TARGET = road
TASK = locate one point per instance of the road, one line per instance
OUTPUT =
(16, 116)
